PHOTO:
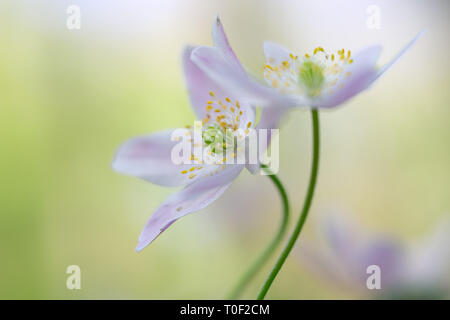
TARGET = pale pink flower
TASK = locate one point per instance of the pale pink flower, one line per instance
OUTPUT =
(415, 269)
(316, 79)
(149, 157)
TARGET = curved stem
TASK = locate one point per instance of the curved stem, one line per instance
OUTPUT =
(307, 204)
(262, 259)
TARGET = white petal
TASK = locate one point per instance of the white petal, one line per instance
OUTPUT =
(405, 48)
(270, 119)
(214, 64)
(341, 234)
(275, 54)
(221, 42)
(149, 157)
(198, 84)
(429, 260)
(193, 197)
(362, 72)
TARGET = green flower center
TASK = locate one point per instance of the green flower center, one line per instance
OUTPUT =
(311, 76)
(216, 138)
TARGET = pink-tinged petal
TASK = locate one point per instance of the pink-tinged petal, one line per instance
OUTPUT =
(275, 54)
(385, 252)
(215, 65)
(198, 84)
(193, 197)
(323, 264)
(221, 42)
(355, 251)
(342, 237)
(362, 72)
(149, 157)
(428, 260)
(405, 48)
(270, 119)
(253, 168)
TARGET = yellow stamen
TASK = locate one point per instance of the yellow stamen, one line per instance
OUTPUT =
(274, 83)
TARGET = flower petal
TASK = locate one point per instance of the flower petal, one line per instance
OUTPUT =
(384, 252)
(198, 84)
(221, 42)
(275, 54)
(270, 119)
(193, 197)
(341, 235)
(213, 62)
(405, 48)
(362, 74)
(149, 157)
(428, 260)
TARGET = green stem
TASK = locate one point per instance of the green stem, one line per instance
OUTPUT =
(262, 259)
(307, 204)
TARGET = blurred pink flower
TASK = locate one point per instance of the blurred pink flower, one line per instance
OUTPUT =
(418, 270)
(317, 79)
(149, 157)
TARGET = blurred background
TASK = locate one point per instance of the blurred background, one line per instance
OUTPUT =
(68, 98)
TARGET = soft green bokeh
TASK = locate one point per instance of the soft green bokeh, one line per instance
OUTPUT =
(68, 98)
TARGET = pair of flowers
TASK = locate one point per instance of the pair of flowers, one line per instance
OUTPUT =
(215, 78)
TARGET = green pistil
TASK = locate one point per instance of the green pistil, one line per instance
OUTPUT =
(311, 75)
(214, 137)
